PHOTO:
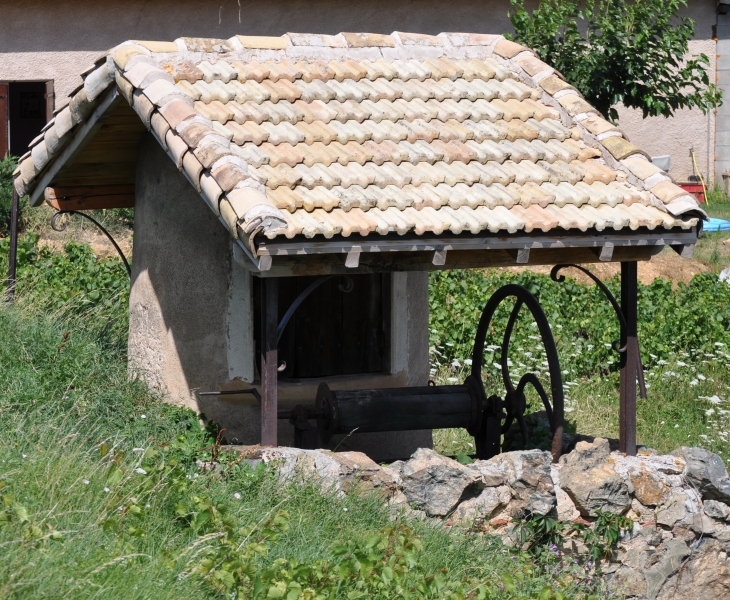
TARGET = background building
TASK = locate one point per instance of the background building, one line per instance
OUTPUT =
(45, 45)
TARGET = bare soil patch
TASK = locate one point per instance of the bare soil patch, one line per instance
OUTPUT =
(666, 265)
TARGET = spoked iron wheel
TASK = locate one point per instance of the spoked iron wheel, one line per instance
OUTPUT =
(500, 413)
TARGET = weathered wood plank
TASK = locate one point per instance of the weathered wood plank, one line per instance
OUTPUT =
(90, 197)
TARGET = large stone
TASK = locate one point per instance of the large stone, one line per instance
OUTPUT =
(717, 510)
(435, 483)
(490, 473)
(591, 482)
(627, 582)
(649, 489)
(527, 473)
(668, 564)
(706, 472)
(565, 506)
(674, 511)
(343, 471)
(483, 506)
(705, 575)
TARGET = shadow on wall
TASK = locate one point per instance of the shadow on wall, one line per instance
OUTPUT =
(180, 282)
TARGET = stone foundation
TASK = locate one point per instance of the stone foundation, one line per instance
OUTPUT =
(679, 504)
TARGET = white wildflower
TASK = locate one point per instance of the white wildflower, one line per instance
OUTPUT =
(142, 416)
(345, 509)
(85, 481)
(452, 379)
(237, 496)
(710, 411)
(107, 490)
(701, 377)
(467, 362)
(694, 382)
(140, 471)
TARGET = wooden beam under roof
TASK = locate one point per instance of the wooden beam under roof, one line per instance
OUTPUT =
(90, 197)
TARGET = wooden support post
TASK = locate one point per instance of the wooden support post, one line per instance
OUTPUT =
(629, 359)
(13, 251)
(269, 361)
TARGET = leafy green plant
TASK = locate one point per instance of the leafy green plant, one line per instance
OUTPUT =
(7, 165)
(617, 51)
(602, 538)
(690, 317)
(537, 533)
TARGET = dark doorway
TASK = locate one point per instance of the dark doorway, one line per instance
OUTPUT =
(28, 113)
(25, 108)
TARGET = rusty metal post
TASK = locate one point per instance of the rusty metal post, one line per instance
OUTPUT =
(269, 360)
(629, 359)
(13, 252)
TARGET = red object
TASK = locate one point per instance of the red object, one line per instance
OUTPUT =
(694, 188)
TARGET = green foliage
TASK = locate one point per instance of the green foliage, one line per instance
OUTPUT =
(543, 535)
(100, 480)
(617, 51)
(690, 317)
(7, 165)
(74, 281)
(539, 533)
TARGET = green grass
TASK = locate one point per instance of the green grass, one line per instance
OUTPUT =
(79, 519)
(713, 248)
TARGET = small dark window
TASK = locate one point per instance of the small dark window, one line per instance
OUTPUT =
(332, 332)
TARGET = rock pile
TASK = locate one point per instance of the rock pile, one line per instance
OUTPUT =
(679, 503)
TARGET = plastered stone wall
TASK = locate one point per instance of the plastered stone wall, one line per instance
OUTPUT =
(191, 318)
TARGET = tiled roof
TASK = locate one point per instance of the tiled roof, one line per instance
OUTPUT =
(368, 134)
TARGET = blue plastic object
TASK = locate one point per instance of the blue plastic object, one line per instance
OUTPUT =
(716, 225)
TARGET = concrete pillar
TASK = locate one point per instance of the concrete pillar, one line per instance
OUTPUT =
(722, 139)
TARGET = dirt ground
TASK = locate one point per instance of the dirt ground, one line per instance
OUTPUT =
(101, 246)
(667, 265)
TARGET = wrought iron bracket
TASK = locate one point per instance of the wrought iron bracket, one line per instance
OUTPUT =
(616, 344)
(99, 225)
(346, 286)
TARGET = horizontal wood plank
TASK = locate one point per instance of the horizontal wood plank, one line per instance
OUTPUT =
(90, 197)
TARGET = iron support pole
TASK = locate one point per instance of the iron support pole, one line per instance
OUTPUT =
(269, 360)
(629, 360)
(13, 252)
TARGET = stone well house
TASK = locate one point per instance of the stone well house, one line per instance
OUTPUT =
(257, 163)
(45, 45)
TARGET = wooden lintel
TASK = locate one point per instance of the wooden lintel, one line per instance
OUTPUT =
(90, 197)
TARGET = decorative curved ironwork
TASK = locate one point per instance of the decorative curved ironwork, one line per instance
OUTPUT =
(99, 225)
(514, 404)
(616, 344)
(346, 286)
